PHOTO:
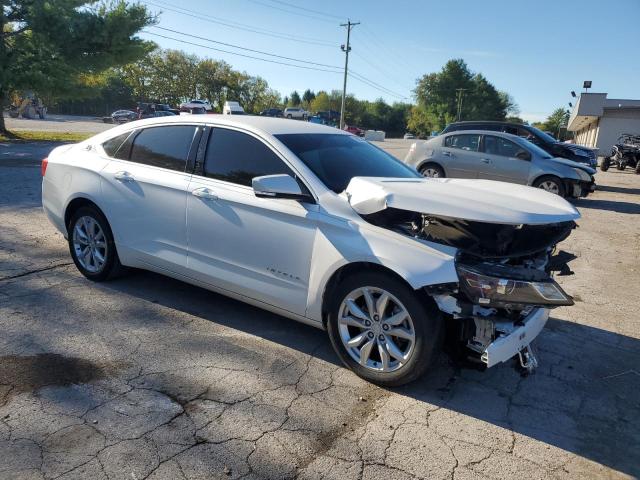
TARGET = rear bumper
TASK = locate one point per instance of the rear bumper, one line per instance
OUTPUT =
(506, 346)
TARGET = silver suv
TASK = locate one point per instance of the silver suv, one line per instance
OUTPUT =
(500, 156)
(295, 112)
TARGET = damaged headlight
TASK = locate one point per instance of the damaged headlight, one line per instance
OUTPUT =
(493, 291)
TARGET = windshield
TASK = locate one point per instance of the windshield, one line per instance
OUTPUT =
(337, 158)
(544, 136)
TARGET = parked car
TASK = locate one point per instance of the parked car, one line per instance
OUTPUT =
(271, 112)
(409, 136)
(193, 111)
(500, 156)
(232, 108)
(549, 144)
(196, 104)
(319, 226)
(295, 112)
(123, 116)
(329, 116)
(354, 130)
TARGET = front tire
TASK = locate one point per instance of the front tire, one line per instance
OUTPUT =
(382, 329)
(606, 163)
(550, 184)
(91, 245)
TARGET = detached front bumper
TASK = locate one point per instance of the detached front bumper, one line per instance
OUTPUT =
(510, 343)
(580, 189)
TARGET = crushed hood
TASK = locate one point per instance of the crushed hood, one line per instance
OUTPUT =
(476, 200)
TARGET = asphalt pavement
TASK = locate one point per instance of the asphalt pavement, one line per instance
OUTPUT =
(146, 377)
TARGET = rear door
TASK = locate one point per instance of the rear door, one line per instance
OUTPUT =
(144, 195)
(503, 161)
(459, 155)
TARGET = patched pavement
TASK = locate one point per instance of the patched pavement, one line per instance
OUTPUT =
(147, 377)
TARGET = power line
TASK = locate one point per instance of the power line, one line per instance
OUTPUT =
(306, 9)
(238, 54)
(384, 72)
(245, 48)
(258, 2)
(242, 26)
(374, 85)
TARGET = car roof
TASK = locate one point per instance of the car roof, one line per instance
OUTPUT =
(257, 124)
(483, 132)
(488, 122)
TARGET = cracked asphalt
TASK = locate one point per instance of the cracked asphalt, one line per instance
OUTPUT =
(149, 378)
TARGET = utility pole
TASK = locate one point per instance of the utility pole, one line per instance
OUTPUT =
(459, 90)
(346, 50)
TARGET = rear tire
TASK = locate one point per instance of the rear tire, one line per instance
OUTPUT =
(550, 184)
(432, 170)
(91, 245)
(392, 351)
(620, 165)
(606, 163)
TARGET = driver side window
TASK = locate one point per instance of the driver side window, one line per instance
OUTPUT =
(237, 157)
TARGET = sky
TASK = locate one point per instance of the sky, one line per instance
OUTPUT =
(536, 51)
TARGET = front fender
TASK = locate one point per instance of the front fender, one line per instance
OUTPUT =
(419, 263)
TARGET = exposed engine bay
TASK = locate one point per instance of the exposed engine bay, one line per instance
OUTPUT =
(505, 287)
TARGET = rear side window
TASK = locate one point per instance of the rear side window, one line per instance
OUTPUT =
(165, 147)
(237, 158)
(467, 142)
(112, 145)
(500, 146)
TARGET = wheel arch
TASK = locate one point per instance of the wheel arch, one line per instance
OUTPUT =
(350, 269)
(427, 161)
(75, 204)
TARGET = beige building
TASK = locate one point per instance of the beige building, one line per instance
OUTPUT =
(598, 121)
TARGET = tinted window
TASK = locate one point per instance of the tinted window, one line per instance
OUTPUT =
(111, 146)
(512, 129)
(237, 157)
(500, 146)
(468, 142)
(166, 147)
(335, 158)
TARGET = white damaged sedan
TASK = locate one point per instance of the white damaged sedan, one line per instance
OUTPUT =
(320, 226)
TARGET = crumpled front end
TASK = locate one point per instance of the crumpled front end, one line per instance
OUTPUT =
(499, 306)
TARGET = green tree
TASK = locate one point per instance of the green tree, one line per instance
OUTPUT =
(45, 46)
(321, 102)
(307, 98)
(294, 99)
(557, 121)
(437, 95)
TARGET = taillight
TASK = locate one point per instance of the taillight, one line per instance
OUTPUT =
(43, 167)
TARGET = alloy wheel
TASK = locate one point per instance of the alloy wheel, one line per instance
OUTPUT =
(90, 244)
(430, 172)
(550, 186)
(376, 329)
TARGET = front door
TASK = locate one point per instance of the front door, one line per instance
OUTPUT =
(256, 247)
(503, 155)
(144, 195)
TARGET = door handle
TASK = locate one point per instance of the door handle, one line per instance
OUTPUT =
(124, 176)
(204, 193)
(447, 154)
(485, 160)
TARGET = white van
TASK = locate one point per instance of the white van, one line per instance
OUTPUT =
(232, 108)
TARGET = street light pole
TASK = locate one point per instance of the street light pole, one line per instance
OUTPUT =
(346, 50)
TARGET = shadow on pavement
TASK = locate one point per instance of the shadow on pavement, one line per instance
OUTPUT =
(584, 399)
(629, 191)
(611, 205)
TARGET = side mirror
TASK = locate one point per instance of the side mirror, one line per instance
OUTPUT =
(279, 186)
(523, 155)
